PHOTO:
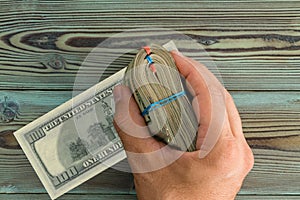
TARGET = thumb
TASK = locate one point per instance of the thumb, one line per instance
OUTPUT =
(129, 123)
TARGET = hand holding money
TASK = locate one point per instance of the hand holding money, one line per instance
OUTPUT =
(217, 176)
(77, 140)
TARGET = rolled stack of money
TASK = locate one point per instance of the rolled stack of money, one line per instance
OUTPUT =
(158, 90)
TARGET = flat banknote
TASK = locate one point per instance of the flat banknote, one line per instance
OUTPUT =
(76, 140)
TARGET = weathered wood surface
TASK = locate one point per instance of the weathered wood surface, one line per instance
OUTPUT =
(270, 120)
(122, 197)
(255, 44)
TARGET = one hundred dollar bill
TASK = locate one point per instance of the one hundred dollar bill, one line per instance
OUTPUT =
(76, 140)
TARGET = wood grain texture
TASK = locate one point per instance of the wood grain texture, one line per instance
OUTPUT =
(122, 197)
(271, 125)
(22, 179)
(263, 113)
(257, 197)
(255, 44)
(68, 197)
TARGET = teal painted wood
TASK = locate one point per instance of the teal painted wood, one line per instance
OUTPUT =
(252, 105)
(67, 197)
(266, 197)
(255, 45)
(124, 197)
(22, 179)
(271, 125)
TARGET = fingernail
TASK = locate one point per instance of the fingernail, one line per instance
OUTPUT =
(117, 93)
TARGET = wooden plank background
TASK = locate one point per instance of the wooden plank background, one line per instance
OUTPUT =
(255, 44)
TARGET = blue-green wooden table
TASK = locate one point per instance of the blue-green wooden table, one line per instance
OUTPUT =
(255, 44)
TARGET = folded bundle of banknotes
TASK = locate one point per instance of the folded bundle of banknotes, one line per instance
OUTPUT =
(77, 140)
(156, 85)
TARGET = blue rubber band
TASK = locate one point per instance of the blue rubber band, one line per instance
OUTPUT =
(149, 59)
(162, 102)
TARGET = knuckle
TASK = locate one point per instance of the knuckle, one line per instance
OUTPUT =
(231, 153)
(226, 156)
(249, 159)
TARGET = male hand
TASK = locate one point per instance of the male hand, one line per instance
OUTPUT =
(202, 174)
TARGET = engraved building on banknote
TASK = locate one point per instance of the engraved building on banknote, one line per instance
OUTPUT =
(99, 135)
(102, 133)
